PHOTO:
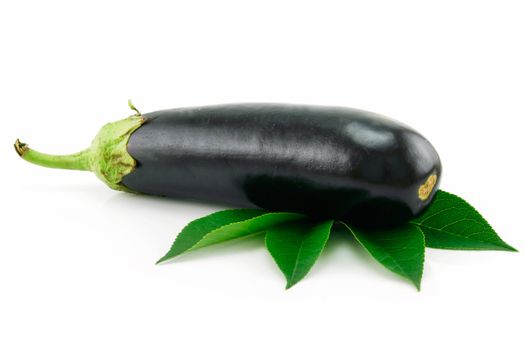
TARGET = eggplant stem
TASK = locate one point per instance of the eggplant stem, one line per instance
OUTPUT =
(107, 156)
(132, 106)
(75, 161)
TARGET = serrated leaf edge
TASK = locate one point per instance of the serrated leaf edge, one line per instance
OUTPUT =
(289, 281)
(417, 284)
(166, 257)
(503, 246)
(421, 226)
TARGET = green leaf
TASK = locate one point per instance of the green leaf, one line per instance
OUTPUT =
(400, 249)
(223, 226)
(296, 246)
(451, 223)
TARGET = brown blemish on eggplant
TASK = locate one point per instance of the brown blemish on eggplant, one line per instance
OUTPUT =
(426, 189)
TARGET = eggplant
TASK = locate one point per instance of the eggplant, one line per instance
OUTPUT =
(326, 162)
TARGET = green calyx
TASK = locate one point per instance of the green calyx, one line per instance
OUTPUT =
(107, 156)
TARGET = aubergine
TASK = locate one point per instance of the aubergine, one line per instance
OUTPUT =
(334, 162)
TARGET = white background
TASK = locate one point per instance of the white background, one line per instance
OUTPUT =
(77, 259)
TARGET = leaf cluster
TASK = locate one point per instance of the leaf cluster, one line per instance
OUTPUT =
(296, 241)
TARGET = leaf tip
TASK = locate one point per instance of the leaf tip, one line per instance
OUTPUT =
(511, 248)
(416, 282)
(163, 259)
(290, 284)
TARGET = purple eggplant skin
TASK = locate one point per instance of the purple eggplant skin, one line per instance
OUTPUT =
(326, 162)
